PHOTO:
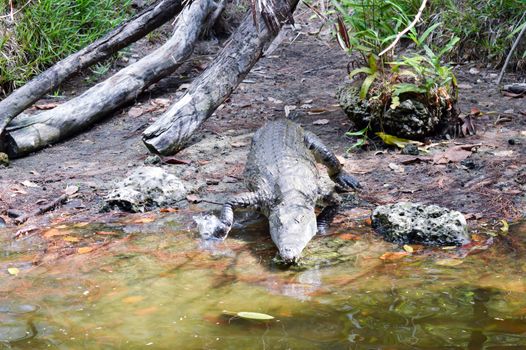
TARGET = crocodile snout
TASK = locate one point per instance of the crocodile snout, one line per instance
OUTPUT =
(289, 255)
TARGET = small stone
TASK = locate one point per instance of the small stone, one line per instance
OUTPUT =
(4, 159)
(473, 71)
(410, 149)
(509, 111)
(465, 86)
(152, 160)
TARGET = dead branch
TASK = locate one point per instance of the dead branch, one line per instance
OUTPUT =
(513, 47)
(43, 209)
(120, 37)
(408, 28)
(28, 133)
(169, 133)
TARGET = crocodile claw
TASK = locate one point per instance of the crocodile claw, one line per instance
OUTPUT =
(347, 181)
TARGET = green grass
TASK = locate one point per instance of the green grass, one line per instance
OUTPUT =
(45, 31)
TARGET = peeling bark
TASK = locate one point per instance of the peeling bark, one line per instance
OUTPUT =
(169, 133)
(28, 133)
(128, 32)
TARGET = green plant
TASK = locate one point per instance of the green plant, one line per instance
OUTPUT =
(46, 31)
(386, 80)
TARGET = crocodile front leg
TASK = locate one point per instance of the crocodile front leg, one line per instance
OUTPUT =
(325, 156)
(242, 200)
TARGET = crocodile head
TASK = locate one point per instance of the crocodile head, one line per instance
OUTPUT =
(291, 229)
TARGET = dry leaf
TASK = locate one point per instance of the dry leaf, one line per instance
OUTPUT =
(192, 198)
(321, 122)
(349, 237)
(71, 190)
(394, 255)
(408, 248)
(84, 250)
(135, 112)
(317, 111)
(174, 160)
(44, 106)
(81, 224)
(28, 183)
(168, 210)
(133, 299)
(237, 144)
(143, 220)
(146, 311)
(52, 232)
(13, 271)
(71, 239)
(106, 233)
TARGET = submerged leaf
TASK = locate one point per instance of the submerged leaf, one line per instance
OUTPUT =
(249, 315)
(449, 262)
(13, 271)
(394, 255)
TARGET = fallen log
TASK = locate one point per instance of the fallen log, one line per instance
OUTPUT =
(28, 133)
(128, 32)
(170, 132)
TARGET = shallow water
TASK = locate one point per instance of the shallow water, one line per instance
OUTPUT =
(156, 285)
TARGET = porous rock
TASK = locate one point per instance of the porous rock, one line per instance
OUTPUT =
(407, 223)
(411, 119)
(146, 188)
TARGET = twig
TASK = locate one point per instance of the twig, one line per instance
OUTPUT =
(12, 13)
(42, 209)
(513, 47)
(408, 28)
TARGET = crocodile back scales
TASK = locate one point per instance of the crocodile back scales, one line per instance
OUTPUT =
(280, 167)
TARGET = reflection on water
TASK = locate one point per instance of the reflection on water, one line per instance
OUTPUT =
(156, 285)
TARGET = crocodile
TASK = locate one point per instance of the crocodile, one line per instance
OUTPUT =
(284, 185)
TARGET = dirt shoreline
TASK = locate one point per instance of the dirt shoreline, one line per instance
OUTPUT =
(303, 72)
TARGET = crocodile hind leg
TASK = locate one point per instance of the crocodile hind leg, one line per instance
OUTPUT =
(332, 205)
(325, 156)
(242, 200)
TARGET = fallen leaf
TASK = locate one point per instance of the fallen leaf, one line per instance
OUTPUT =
(249, 315)
(143, 220)
(317, 111)
(238, 144)
(71, 190)
(192, 198)
(84, 250)
(13, 271)
(133, 299)
(288, 109)
(413, 160)
(464, 86)
(106, 233)
(55, 232)
(81, 224)
(475, 111)
(476, 238)
(394, 255)
(368, 222)
(449, 262)
(453, 154)
(168, 210)
(320, 122)
(28, 183)
(505, 227)
(275, 100)
(174, 160)
(396, 141)
(396, 168)
(44, 106)
(349, 237)
(408, 248)
(135, 112)
(71, 239)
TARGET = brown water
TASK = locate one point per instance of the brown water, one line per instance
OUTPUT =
(156, 286)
